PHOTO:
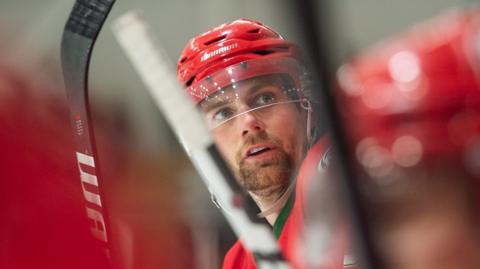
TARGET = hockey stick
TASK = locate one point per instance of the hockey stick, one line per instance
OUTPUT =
(81, 30)
(137, 41)
(315, 33)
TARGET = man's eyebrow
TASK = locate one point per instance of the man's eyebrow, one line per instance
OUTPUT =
(260, 86)
(210, 104)
(255, 88)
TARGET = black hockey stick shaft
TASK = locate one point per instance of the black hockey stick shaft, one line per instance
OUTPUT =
(316, 35)
(81, 30)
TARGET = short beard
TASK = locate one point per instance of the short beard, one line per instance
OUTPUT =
(267, 178)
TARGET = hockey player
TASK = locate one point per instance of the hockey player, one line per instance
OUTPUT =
(412, 108)
(252, 88)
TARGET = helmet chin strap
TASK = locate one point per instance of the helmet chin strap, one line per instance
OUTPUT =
(278, 205)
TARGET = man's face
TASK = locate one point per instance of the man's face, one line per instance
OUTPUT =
(263, 146)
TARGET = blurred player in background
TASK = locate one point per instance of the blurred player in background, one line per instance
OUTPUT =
(43, 216)
(44, 222)
(412, 111)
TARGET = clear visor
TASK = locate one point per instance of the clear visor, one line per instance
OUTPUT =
(259, 96)
(224, 77)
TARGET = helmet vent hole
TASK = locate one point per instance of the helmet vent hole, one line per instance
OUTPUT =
(189, 82)
(183, 60)
(211, 41)
(263, 52)
(254, 31)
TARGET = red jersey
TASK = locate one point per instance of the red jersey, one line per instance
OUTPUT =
(290, 223)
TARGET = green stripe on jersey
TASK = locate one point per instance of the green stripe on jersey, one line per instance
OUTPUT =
(283, 216)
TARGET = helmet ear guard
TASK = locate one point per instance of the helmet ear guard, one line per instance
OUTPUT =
(315, 122)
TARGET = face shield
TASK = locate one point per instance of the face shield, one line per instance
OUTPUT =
(255, 86)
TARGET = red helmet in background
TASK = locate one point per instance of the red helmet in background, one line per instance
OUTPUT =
(416, 96)
(233, 52)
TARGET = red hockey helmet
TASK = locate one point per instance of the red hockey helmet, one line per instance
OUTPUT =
(234, 52)
(417, 96)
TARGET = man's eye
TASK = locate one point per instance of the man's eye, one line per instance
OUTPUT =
(264, 99)
(222, 114)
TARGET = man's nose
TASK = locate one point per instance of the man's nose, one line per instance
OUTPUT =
(251, 124)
